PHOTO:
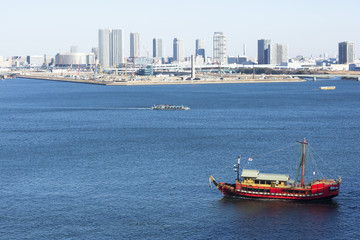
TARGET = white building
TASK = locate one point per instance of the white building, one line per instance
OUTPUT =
(157, 48)
(75, 60)
(134, 45)
(35, 61)
(5, 63)
(117, 47)
(278, 53)
(111, 47)
(178, 48)
(220, 48)
(104, 47)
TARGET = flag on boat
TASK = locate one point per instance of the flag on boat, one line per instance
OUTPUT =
(250, 159)
(314, 173)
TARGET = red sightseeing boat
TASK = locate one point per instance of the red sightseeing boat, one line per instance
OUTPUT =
(253, 184)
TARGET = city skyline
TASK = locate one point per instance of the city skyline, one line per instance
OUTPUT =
(309, 28)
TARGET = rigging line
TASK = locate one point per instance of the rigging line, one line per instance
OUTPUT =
(268, 153)
(322, 159)
(316, 166)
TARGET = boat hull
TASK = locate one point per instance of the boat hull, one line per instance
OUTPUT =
(310, 193)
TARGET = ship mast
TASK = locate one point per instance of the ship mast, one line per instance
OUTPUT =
(237, 169)
(303, 161)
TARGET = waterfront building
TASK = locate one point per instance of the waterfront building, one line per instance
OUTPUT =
(117, 47)
(200, 48)
(237, 59)
(95, 50)
(35, 61)
(75, 60)
(346, 52)
(263, 51)
(104, 47)
(111, 47)
(277, 53)
(134, 45)
(178, 50)
(157, 48)
(220, 48)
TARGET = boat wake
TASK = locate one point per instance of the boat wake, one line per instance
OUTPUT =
(79, 108)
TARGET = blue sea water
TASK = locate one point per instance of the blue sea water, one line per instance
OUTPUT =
(85, 161)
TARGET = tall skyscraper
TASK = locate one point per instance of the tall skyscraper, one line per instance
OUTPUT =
(111, 47)
(220, 48)
(277, 53)
(178, 50)
(200, 48)
(263, 51)
(117, 44)
(346, 52)
(157, 48)
(134, 45)
(104, 47)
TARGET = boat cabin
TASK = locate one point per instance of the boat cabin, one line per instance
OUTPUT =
(254, 177)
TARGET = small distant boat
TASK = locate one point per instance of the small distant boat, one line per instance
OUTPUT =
(253, 184)
(169, 107)
(327, 88)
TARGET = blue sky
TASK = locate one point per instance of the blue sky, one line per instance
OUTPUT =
(310, 27)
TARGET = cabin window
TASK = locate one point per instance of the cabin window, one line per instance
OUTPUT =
(256, 181)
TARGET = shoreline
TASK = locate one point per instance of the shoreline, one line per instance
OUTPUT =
(163, 81)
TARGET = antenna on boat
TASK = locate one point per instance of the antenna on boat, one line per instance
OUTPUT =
(237, 168)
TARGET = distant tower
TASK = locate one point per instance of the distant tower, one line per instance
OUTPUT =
(192, 66)
(346, 52)
(263, 51)
(244, 49)
(277, 53)
(134, 45)
(220, 48)
(95, 50)
(104, 47)
(157, 48)
(178, 50)
(111, 47)
(200, 48)
(117, 44)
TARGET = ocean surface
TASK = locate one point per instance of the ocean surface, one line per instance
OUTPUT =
(81, 161)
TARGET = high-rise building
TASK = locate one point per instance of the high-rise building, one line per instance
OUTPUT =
(104, 47)
(220, 47)
(200, 48)
(134, 45)
(263, 51)
(117, 44)
(346, 52)
(95, 50)
(277, 53)
(178, 50)
(157, 48)
(111, 47)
